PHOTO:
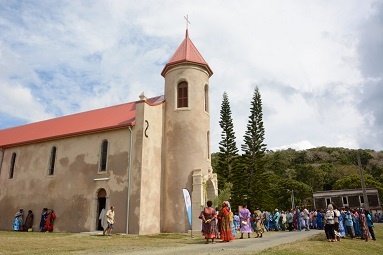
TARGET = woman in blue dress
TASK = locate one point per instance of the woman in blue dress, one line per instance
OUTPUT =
(358, 233)
(18, 222)
(319, 220)
(342, 230)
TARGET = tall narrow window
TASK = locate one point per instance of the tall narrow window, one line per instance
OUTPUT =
(361, 199)
(12, 167)
(104, 155)
(182, 95)
(52, 161)
(208, 144)
(206, 98)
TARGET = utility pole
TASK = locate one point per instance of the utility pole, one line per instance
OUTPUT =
(365, 198)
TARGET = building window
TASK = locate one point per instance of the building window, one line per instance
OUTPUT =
(182, 95)
(104, 155)
(206, 98)
(12, 167)
(361, 199)
(208, 144)
(52, 161)
(345, 200)
(328, 201)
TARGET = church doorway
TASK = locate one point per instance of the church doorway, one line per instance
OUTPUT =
(101, 204)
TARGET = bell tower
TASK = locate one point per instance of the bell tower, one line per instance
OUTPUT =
(186, 138)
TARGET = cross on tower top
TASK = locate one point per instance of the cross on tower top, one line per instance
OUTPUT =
(187, 21)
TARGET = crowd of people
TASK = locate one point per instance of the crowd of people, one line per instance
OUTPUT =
(48, 217)
(224, 224)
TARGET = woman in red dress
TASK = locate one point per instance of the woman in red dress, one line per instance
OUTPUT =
(50, 220)
(224, 215)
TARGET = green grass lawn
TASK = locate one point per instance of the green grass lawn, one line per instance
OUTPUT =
(71, 243)
(318, 245)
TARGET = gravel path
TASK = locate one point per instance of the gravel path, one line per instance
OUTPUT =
(238, 246)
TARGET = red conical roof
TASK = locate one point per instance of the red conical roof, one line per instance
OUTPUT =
(187, 53)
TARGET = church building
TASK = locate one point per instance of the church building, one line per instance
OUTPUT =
(136, 156)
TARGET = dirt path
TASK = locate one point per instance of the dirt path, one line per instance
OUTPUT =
(243, 246)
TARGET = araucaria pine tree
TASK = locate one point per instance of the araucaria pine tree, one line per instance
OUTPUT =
(227, 146)
(253, 147)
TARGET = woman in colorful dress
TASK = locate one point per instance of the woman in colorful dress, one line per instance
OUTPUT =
(357, 231)
(208, 216)
(319, 220)
(18, 222)
(224, 216)
(342, 229)
(50, 220)
(231, 217)
(258, 223)
(363, 226)
(43, 220)
(245, 216)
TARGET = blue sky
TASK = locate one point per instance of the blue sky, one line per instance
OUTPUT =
(318, 64)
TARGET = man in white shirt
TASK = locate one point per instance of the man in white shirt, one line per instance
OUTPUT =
(110, 220)
(306, 217)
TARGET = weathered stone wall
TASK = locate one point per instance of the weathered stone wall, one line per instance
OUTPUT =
(72, 190)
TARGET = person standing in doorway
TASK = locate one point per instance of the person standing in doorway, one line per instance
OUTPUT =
(110, 220)
(103, 221)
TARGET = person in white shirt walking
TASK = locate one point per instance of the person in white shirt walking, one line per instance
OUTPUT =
(110, 220)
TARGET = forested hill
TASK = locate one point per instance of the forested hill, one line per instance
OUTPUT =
(311, 170)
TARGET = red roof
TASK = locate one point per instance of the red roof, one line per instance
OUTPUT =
(187, 53)
(81, 123)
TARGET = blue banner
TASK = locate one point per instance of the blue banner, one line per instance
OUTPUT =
(188, 205)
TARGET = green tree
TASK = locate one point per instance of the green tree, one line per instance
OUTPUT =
(254, 147)
(227, 146)
(353, 182)
(240, 191)
(311, 175)
(224, 194)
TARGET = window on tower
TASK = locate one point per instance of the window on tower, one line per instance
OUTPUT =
(182, 94)
(208, 144)
(103, 155)
(52, 161)
(206, 98)
(12, 166)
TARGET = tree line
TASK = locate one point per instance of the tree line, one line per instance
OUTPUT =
(264, 178)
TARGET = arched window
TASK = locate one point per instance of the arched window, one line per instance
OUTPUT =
(206, 98)
(182, 94)
(103, 155)
(12, 167)
(52, 161)
(208, 144)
